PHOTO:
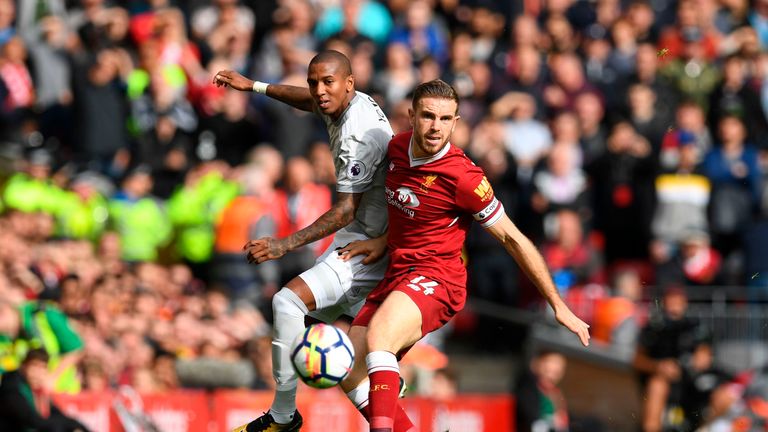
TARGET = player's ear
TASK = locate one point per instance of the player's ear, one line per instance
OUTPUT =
(350, 83)
(455, 122)
(412, 117)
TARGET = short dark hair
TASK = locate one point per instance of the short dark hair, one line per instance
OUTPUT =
(436, 88)
(333, 56)
(36, 354)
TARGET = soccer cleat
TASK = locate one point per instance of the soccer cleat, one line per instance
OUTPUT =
(266, 423)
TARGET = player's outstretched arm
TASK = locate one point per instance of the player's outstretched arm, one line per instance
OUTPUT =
(373, 249)
(530, 260)
(340, 215)
(297, 97)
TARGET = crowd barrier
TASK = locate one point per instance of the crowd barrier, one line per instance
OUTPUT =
(323, 411)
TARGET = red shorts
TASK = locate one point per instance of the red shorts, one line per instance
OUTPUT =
(437, 301)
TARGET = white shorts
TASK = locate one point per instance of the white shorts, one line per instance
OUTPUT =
(340, 287)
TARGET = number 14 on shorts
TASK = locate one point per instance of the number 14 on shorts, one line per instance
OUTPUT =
(421, 283)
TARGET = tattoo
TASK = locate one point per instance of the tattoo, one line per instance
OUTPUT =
(340, 215)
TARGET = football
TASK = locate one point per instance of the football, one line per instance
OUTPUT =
(322, 356)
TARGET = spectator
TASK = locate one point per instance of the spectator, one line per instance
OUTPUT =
(570, 257)
(422, 33)
(568, 81)
(523, 70)
(399, 77)
(663, 347)
(540, 402)
(83, 211)
(648, 63)
(194, 209)
(692, 74)
(444, 385)
(690, 26)
(139, 218)
(617, 318)
(525, 138)
(101, 139)
(26, 400)
(368, 18)
(593, 134)
(245, 216)
(623, 194)
(561, 184)
(41, 325)
(647, 120)
(682, 201)
(7, 17)
(735, 97)
(732, 168)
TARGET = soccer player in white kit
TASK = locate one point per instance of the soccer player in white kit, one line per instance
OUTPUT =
(359, 133)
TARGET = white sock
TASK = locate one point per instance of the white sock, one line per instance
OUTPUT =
(289, 311)
(381, 360)
(359, 395)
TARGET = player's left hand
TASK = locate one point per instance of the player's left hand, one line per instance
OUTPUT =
(264, 249)
(570, 321)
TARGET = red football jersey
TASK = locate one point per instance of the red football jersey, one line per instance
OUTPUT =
(431, 204)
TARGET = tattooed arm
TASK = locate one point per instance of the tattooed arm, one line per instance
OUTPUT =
(340, 215)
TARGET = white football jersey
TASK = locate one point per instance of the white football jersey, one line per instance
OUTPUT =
(358, 141)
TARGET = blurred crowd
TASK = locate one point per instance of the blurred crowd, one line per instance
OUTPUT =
(628, 138)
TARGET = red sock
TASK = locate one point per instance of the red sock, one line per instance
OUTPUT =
(402, 422)
(382, 400)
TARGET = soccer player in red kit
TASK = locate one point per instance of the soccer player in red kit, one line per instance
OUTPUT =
(433, 192)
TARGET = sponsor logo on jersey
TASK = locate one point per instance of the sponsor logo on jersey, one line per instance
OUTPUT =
(484, 190)
(356, 169)
(428, 181)
(407, 197)
(403, 199)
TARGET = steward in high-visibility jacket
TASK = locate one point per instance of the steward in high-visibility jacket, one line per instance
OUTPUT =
(40, 325)
(82, 217)
(248, 216)
(194, 210)
(140, 219)
(30, 195)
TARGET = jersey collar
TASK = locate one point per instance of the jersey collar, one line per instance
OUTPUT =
(425, 160)
(346, 110)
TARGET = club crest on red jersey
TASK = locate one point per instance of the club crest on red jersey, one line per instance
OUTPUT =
(428, 181)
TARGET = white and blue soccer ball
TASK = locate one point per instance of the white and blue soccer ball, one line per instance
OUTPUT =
(322, 356)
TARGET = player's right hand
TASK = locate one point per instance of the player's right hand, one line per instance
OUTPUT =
(373, 249)
(264, 249)
(232, 79)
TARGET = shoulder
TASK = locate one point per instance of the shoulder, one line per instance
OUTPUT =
(398, 145)
(365, 121)
(465, 168)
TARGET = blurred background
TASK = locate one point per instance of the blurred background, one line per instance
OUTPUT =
(627, 138)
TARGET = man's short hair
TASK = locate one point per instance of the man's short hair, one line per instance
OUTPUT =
(437, 89)
(36, 354)
(333, 56)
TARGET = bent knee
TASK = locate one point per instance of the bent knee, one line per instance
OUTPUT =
(288, 302)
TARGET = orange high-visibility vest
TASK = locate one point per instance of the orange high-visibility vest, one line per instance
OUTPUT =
(608, 315)
(235, 222)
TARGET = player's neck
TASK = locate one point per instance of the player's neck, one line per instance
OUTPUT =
(347, 100)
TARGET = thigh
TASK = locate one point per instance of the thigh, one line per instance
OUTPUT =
(394, 306)
(334, 281)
